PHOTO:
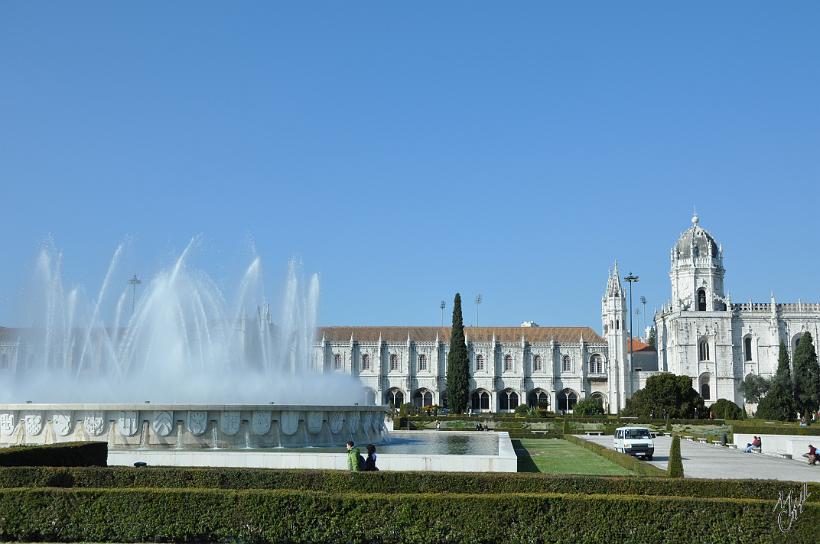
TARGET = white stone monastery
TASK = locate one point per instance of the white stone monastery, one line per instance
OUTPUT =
(700, 333)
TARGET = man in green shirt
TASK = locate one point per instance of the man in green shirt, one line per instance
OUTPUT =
(353, 455)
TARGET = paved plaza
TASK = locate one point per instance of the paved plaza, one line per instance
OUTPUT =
(708, 461)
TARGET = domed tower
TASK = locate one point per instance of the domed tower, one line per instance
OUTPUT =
(697, 271)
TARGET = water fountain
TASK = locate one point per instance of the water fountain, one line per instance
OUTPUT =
(207, 368)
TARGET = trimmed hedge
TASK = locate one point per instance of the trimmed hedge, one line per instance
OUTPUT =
(288, 516)
(642, 468)
(68, 454)
(336, 481)
(763, 428)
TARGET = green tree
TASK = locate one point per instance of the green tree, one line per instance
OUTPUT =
(726, 409)
(779, 400)
(806, 377)
(665, 395)
(652, 338)
(458, 363)
(675, 466)
(589, 407)
(755, 387)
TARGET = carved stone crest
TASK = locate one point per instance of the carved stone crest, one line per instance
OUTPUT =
(197, 422)
(314, 422)
(336, 422)
(229, 423)
(33, 423)
(7, 423)
(94, 423)
(260, 422)
(127, 423)
(61, 422)
(289, 422)
(163, 423)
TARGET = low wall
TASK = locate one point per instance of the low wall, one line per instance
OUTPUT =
(169, 426)
(505, 461)
(777, 443)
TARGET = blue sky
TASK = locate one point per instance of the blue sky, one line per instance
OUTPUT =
(406, 151)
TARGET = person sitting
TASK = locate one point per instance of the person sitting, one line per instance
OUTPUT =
(370, 461)
(748, 447)
(757, 444)
(812, 455)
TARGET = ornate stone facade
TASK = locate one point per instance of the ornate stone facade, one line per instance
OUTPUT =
(508, 365)
(704, 335)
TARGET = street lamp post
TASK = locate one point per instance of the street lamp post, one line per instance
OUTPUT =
(631, 279)
(643, 301)
(477, 304)
(134, 282)
(442, 306)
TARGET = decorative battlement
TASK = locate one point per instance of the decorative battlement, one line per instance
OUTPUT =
(797, 307)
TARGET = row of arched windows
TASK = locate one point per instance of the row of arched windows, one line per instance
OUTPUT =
(508, 399)
(596, 365)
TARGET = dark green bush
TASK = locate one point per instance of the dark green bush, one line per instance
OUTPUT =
(641, 468)
(726, 409)
(69, 454)
(675, 465)
(335, 481)
(185, 515)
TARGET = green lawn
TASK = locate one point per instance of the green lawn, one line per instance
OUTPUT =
(556, 456)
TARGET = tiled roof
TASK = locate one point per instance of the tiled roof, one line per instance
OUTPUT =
(637, 345)
(564, 335)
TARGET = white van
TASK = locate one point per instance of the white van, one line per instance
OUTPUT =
(635, 441)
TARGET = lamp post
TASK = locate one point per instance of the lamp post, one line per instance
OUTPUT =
(134, 282)
(477, 305)
(643, 301)
(442, 306)
(631, 279)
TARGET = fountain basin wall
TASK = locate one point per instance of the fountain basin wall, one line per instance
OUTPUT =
(175, 426)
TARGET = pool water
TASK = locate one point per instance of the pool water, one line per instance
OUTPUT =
(441, 443)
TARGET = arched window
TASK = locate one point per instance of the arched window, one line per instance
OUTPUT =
(422, 362)
(365, 362)
(795, 342)
(566, 364)
(596, 364)
(747, 348)
(422, 398)
(395, 397)
(507, 400)
(696, 251)
(479, 362)
(701, 300)
(567, 400)
(337, 362)
(703, 350)
(508, 363)
(394, 361)
(536, 363)
(538, 398)
(480, 400)
(705, 390)
(617, 324)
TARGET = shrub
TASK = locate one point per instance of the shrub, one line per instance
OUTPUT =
(197, 515)
(589, 407)
(726, 409)
(675, 465)
(665, 394)
(69, 454)
(522, 410)
(335, 481)
(641, 468)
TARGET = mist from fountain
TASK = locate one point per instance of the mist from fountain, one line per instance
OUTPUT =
(182, 343)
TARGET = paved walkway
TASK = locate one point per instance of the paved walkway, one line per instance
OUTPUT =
(707, 461)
